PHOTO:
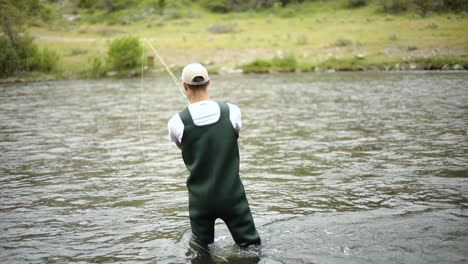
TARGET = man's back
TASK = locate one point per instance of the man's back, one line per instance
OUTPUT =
(211, 154)
(203, 113)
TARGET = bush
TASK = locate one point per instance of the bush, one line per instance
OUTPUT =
(25, 56)
(257, 66)
(96, 68)
(224, 6)
(46, 61)
(424, 6)
(287, 63)
(395, 6)
(455, 5)
(8, 58)
(219, 6)
(282, 64)
(28, 54)
(18, 50)
(123, 54)
(357, 3)
(343, 42)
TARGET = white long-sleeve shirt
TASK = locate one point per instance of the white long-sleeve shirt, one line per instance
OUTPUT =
(203, 113)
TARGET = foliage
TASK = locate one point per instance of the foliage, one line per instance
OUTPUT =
(18, 50)
(224, 6)
(12, 21)
(25, 56)
(124, 53)
(423, 6)
(395, 6)
(345, 64)
(8, 58)
(28, 53)
(281, 64)
(96, 68)
(357, 3)
(455, 5)
(343, 42)
(114, 5)
(46, 61)
(219, 6)
(438, 63)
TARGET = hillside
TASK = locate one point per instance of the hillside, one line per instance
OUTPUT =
(318, 34)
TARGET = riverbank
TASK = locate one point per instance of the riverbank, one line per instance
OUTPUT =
(320, 36)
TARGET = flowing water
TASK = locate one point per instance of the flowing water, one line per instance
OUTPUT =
(338, 168)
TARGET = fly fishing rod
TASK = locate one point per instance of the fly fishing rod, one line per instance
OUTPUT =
(177, 83)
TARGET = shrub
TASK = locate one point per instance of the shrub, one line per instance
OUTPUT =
(28, 53)
(438, 63)
(423, 6)
(257, 66)
(455, 5)
(78, 51)
(225, 6)
(95, 68)
(18, 50)
(356, 3)
(47, 61)
(286, 63)
(124, 53)
(219, 6)
(85, 3)
(395, 6)
(8, 58)
(25, 56)
(282, 64)
(343, 42)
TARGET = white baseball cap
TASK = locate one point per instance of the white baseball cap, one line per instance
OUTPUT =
(193, 70)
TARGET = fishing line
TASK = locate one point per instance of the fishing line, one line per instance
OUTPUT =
(177, 83)
(141, 106)
(142, 90)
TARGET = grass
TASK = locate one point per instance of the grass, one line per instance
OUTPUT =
(278, 64)
(356, 64)
(319, 34)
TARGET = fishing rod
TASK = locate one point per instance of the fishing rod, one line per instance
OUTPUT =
(177, 83)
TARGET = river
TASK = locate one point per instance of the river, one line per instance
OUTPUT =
(338, 168)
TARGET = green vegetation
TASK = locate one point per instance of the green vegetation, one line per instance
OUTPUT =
(124, 54)
(18, 52)
(356, 63)
(226, 35)
(279, 64)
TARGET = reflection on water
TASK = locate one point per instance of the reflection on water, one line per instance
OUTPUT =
(338, 168)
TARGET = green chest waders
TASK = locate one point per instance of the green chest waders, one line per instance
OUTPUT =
(211, 154)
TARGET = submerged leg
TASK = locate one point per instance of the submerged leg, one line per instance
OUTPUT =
(241, 225)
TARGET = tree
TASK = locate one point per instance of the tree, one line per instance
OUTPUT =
(18, 50)
(12, 21)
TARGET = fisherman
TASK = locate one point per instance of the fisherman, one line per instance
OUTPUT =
(206, 131)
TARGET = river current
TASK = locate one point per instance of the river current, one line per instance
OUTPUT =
(338, 168)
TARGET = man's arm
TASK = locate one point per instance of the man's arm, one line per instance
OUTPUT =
(235, 116)
(176, 130)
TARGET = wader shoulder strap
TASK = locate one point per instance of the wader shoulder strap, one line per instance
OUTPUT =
(186, 117)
